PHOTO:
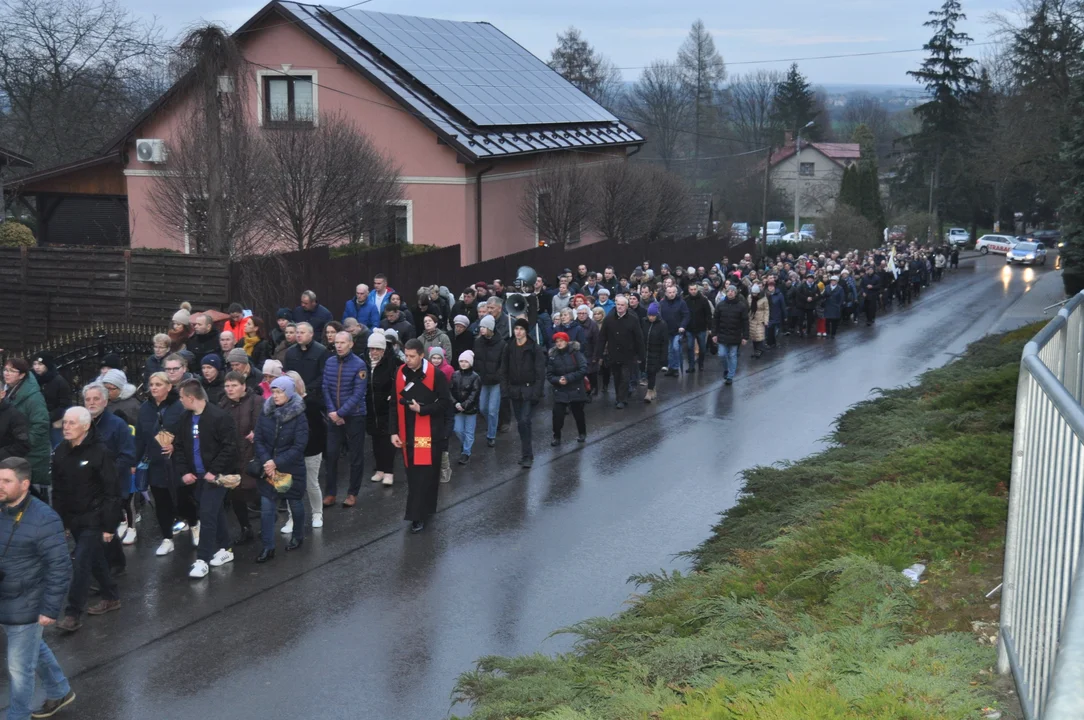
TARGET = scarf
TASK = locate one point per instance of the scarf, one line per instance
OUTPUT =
(423, 433)
(250, 344)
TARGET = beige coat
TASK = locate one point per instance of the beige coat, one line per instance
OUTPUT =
(758, 319)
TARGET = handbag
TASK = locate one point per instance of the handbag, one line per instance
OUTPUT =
(140, 478)
(281, 481)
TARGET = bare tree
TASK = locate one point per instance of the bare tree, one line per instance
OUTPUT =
(618, 203)
(586, 68)
(703, 72)
(846, 228)
(750, 106)
(666, 201)
(212, 187)
(73, 72)
(320, 178)
(556, 200)
(660, 102)
(864, 109)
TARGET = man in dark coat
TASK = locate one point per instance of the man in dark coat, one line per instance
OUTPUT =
(700, 314)
(622, 339)
(204, 340)
(523, 380)
(806, 297)
(394, 320)
(35, 569)
(675, 313)
(871, 288)
(86, 496)
(205, 447)
(731, 329)
(345, 375)
(313, 313)
(418, 421)
(489, 364)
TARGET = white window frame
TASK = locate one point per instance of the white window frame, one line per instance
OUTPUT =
(409, 205)
(187, 237)
(300, 72)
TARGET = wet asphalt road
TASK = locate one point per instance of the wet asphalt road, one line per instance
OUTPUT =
(370, 621)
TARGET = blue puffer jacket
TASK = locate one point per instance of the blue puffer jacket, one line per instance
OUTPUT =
(282, 432)
(344, 385)
(153, 418)
(675, 313)
(37, 567)
(368, 314)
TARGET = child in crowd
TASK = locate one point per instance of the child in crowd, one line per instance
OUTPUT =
(466, 387)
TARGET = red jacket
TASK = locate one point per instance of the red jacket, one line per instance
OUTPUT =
(238, 330)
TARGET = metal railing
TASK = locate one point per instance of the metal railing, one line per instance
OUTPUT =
(1042, 609)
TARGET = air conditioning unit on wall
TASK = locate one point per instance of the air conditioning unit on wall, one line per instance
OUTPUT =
(151, 151)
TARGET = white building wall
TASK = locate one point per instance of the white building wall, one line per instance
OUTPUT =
(819, 192)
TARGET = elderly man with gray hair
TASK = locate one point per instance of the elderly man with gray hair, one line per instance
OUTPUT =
(86, 496)
(312, 312)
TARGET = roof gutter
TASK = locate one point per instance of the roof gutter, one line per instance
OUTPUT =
(478, 208)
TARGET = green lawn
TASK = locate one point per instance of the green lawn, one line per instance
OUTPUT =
(796, 607)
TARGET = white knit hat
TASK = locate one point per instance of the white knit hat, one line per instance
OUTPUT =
(377, 341)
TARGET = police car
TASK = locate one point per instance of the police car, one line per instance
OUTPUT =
(1027, 253)
(1000, 244)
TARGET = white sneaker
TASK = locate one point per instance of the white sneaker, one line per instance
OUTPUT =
(222, 557)
(665, 369)
(165, 548)
(122, 529)
(139, 517)
(288, 528)
(179, 527)
(129, 537)
(195, 535)
(388, 479)
(377, 476)
(199, 570)
(318, 520)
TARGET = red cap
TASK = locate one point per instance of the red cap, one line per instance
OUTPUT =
(560, 336)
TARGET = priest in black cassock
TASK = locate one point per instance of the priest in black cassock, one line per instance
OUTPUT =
(419, 425)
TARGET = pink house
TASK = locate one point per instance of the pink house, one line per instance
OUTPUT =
(466, 113)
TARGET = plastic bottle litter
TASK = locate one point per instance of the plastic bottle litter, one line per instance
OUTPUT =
(914, 573)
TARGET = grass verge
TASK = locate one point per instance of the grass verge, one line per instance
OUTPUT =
(796, 607)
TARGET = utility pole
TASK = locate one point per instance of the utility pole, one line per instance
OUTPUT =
(764, 206)
(797, 179)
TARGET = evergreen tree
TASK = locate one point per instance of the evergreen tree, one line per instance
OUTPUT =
(869, 183)
(940, 147)
(848, 189)
(795, 105)
(1072, 205)
(586, 68)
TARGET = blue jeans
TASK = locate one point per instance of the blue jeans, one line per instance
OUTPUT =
(464, 430)
(352, 432)
(673, 360)
(28, 654)
(269, 513)
(489, 404)
(729, 354)
(701, 339)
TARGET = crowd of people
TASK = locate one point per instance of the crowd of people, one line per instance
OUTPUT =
(237, 416)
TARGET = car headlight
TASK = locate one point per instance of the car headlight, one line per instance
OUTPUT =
(1031, 256)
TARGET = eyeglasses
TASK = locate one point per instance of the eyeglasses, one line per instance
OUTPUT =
(173, 369)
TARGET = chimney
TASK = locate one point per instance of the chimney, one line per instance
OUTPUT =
(788, 138)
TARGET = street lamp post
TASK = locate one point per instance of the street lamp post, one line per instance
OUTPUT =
(798, 177)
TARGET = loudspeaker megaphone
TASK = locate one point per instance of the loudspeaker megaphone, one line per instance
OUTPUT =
(516, 304)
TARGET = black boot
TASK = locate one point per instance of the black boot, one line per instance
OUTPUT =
(245, 536)
(294, 544)
(556, 441)
(266, 555)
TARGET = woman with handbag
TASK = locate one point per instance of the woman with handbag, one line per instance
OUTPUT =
(282, 433)
(244, 406)
(172, 499)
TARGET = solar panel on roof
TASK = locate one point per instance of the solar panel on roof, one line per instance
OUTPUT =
(476, 69)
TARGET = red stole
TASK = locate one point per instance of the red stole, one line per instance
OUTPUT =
(423, 433)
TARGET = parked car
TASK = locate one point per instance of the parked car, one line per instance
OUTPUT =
(775, 231)
(1049, 238)
(1027, 253)
(958, 236)
(1001, 244)
(739, 231)
(809, 229)
(798, 237)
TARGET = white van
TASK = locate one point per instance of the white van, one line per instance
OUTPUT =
(776, 230)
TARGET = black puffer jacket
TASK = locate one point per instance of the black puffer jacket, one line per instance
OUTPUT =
(378, 394)
(571, 365)
(732, 321)
(656, 344)
(201, 346)
(465, 387)
(489, 359)
(14, 432)
(57, 393)
(524, 371)
(700, 312)
(217, 442)
(86, 491)
(309, 364)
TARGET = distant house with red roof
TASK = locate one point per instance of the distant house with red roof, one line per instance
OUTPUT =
(819, 168)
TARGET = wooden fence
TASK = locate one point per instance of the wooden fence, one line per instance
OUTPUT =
(266, 284)
(50, 292)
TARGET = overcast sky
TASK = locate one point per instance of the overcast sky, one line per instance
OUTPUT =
(634, 32)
